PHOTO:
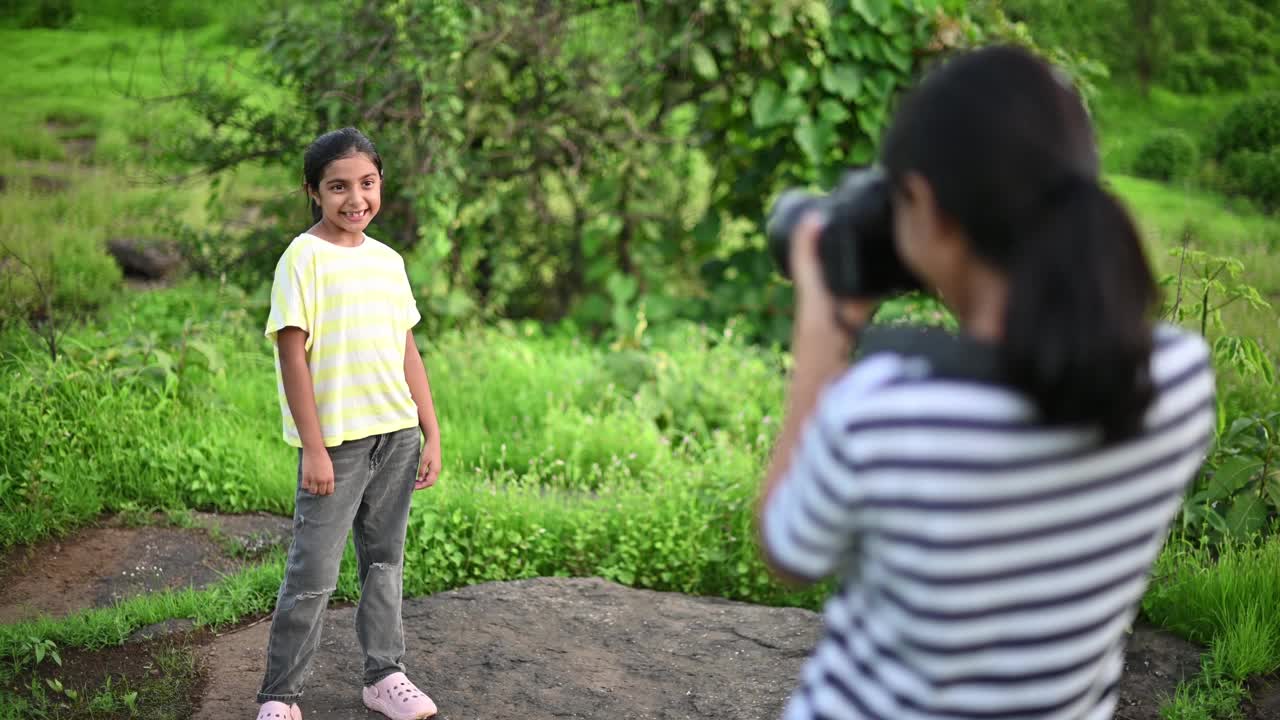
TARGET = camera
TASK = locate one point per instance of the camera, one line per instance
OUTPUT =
(855, 248)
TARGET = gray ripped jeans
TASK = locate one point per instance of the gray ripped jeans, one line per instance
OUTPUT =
(373, 486)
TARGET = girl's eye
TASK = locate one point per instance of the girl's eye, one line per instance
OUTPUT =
(368, 183)
(336, 188)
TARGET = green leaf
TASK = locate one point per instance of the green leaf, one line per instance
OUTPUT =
(871, 120)
(703, 62)
(1233, 475)
(863, 152)
(1272, 484)
(798, 78)
(815, 138)
(1248, 515)
(771, 107)
(898, 58)
(212, 358)
(843, 79)
(833, 112)
(872, 11)
(707, 232)
(764, 104)
(164, 360)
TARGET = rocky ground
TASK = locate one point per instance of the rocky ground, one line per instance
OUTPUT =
(542, 648)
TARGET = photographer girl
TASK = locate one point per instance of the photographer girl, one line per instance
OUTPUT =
(991, 529)
(354, 397)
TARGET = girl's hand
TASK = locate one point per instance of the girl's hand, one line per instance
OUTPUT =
(429, 465)
(317, 471)
(816, 307)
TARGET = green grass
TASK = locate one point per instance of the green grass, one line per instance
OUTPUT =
(561, 458)
(1125, 119)
(1223, 596)
(1211, 695)
(63, 84)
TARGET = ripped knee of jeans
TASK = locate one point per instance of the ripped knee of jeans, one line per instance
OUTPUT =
(289, 601)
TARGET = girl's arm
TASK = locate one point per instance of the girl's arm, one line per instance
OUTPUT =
(820, 350)
(415, 373)
(317, 468)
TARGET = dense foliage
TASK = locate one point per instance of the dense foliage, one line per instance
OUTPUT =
(1167, 155)
(1186, 45)
(1256, 175)
(606, 162)
(1253, 123)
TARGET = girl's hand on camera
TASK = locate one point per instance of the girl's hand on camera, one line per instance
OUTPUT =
(816, 308)
(317, 471)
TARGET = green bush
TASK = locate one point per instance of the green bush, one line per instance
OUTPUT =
(1166, 155)
(1256, 175)
(1251, 124)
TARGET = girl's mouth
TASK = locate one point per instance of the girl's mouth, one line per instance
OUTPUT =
(355, 216)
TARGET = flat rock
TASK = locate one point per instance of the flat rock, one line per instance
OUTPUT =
(150, 259)
(586, 648)
(549, 648)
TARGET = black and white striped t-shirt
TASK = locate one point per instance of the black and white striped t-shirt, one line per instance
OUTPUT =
(989, 565)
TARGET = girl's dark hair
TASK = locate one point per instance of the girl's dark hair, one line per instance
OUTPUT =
(1006, 145)
(332, 146)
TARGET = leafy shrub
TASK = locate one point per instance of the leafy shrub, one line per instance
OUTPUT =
(1256, 175)
(1167, 155)
(1205, 71)
(1251, 124)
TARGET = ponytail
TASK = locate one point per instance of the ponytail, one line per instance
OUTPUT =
(1078, 330)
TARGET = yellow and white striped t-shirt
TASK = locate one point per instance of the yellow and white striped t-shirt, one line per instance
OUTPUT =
(356, 305)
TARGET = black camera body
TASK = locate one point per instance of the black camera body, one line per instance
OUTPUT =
(856, 247)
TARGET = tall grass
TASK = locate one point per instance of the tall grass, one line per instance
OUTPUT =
(1224, 596)
(560, 457)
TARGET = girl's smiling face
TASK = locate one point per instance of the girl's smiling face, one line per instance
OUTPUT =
(349, 194)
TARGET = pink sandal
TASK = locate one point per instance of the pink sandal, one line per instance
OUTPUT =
(398, 699)
(276, 710)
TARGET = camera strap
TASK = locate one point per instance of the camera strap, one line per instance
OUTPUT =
(939, 353)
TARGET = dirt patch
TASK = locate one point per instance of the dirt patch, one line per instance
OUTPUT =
(1155, 661)
(1264, 698)
(101, 565)
(162, 677)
